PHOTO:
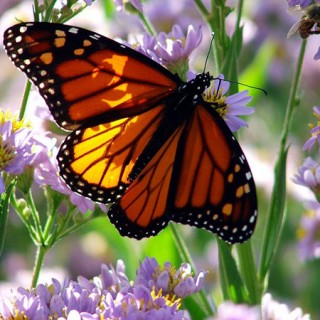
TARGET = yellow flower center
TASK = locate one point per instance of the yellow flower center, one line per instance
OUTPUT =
(7, 153)
(170, 299)
(16, 123)
(217, 99)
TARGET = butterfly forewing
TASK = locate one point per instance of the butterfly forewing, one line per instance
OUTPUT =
(83, 75)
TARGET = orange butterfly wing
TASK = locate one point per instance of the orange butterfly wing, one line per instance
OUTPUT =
(84, 76)
(103, 90)
(96, 161)
(198, 177)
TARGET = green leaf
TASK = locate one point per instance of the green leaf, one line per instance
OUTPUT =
(231, 282)
(248, 271)
(275, 217)
(109, 10)
(4, 210)
(195, 309)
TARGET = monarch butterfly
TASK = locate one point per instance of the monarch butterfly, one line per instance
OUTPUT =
(142, 139)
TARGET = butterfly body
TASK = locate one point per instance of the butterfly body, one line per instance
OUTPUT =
(142, 139)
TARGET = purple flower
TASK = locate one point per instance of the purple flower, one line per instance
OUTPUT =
(308, 233)
(172, 50)
(167, 280)
(315, 131)
(309, 175)
(273, 310)
(231, 311)
(108, 296)
(16, 146)
(175, 48)
(229, 107)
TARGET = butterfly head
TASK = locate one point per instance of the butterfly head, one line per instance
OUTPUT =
(199, 84)
(196, 86)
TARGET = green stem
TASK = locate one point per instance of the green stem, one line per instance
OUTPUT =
(41, 252)
(35, 216)
(48, 12)
(239, 14)
(48, 225)
(275, 216)
(181, 246)
(25, 100)
(292, 98)
(185, 256)
(147, 23)
(62, 228)
(24, 218)
(203, 10)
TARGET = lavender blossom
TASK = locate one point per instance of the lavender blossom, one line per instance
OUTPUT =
(309, 175)
(167, 280)
(16, 146)
(229, 107)
(108, 296)
(172, 50)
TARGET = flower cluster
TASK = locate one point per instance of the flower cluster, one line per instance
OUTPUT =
(156, 294)
(309, 176)
(172, 50)
(16, 146)
(21, 147)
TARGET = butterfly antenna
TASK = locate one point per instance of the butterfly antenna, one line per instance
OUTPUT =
(247, 85)
(220, 80)
(205, 63)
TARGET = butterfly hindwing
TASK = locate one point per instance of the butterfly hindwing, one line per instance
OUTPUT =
(199, 177)
(83, 75)
(142, 210)
(213, 187)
